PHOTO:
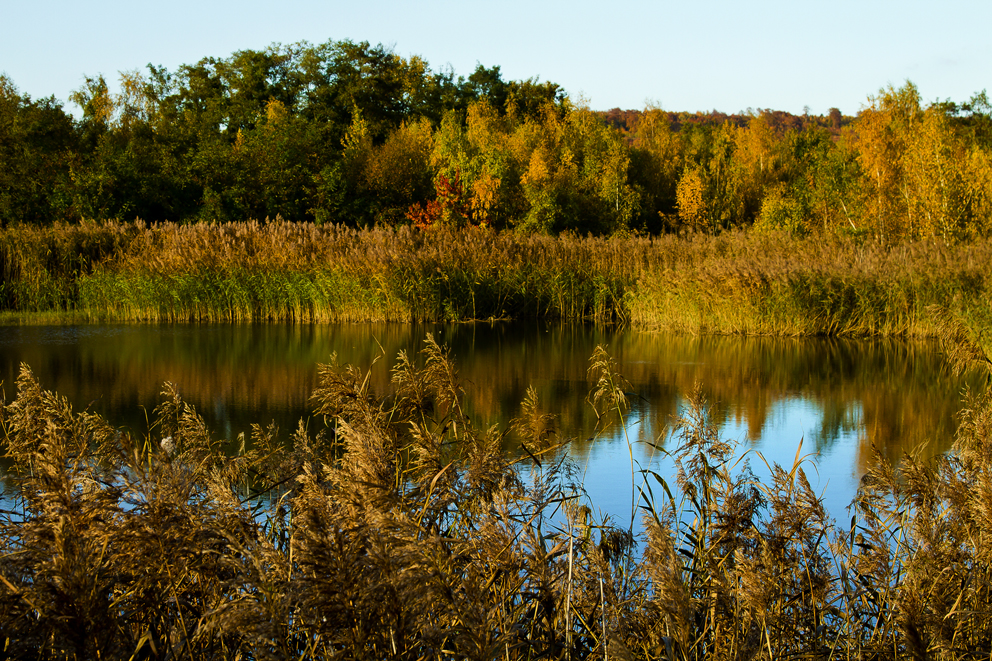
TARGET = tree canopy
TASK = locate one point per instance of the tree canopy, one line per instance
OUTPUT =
(352, 133)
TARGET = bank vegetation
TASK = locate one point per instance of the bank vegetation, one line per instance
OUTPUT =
(398, 529)
(735, 282)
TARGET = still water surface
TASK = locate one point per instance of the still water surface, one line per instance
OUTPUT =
(837, 397)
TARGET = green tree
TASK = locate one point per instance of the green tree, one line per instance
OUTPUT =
(125, 168)
(38, 141)
(343, 76)
(398, 173)
(657, 161)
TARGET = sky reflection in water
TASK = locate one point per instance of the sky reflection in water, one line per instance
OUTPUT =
(837, 396)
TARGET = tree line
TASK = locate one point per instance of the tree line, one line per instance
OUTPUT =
(350, 133)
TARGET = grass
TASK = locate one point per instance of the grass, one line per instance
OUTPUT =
(745, 283)
(399, 529)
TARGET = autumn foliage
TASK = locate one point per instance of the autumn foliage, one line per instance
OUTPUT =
(447, 208)
(354, 134)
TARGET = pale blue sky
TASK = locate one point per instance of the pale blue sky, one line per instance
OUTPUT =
(715, 54)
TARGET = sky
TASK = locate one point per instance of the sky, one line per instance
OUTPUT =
(691, 55)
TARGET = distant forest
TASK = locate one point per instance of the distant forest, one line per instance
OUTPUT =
(350, 133)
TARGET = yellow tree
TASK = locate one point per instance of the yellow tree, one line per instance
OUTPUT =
(881, 130)
(98, 104)
(576, 172)
(978, 190)
(452, 152)
(755, 163)
(604, 158)
(614, 187)
(492, 176)
(690, 199)
(655, 136)
(550, 173)
(933, 186)
(724, 179)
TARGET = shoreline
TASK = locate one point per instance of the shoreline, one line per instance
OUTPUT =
(734, 283)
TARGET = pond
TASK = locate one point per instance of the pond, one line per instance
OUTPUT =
(837, 398)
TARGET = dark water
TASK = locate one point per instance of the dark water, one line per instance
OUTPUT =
(837, 397)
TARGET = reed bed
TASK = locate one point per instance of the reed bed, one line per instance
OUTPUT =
(401, 530)
(300, 272)
(737, 282)
(776, 284)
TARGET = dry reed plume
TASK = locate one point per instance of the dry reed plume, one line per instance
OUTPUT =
(400, 530)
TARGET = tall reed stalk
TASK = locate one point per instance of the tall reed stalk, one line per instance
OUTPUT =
(391, 526)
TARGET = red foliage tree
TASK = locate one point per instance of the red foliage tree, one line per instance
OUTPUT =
(447, 208)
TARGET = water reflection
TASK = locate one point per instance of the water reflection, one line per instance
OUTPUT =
(838, 396)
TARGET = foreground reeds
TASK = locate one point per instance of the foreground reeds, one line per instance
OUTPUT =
(394, 528)
(737, 282)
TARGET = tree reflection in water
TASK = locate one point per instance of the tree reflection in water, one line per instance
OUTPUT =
(838, 396)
